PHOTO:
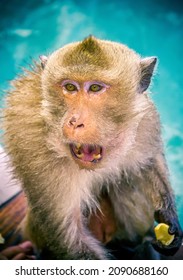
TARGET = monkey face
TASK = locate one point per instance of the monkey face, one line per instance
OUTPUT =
(83, 126)
(90, 122)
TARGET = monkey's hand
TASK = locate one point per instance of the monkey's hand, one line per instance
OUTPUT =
(174, 230)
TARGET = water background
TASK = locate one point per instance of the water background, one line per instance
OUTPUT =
(153, 28)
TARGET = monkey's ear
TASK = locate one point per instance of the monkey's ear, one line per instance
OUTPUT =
(43, 60)
(147, 67)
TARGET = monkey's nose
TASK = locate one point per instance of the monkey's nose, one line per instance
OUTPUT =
(76, 122)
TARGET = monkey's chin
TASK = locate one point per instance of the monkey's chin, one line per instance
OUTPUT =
(86, 155)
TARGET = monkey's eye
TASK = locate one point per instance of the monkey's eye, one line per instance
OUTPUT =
(70, 87)
(95, 88)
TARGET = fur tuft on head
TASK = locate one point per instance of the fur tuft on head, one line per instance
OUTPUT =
(90, 45)
(88, 51)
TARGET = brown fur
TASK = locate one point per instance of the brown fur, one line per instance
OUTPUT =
(63, 192)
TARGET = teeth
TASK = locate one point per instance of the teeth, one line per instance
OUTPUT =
(87, 152)
(80, 155)
(78, 145)
(97, 150)
(97, 156)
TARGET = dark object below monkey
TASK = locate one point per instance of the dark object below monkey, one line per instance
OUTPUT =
(125, 251)
(144, 251)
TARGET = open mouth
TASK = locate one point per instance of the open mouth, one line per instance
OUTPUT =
(86, 152)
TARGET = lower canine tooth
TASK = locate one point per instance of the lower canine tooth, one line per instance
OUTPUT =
(79, 155)
(97, 156)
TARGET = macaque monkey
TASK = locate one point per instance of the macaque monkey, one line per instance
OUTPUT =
(79, 126)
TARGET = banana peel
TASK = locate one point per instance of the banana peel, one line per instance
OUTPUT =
(162, 235)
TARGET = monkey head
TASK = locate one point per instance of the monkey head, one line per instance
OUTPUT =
(91, 92)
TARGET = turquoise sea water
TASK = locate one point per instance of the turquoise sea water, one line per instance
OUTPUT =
(153, 28)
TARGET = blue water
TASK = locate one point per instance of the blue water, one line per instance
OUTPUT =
(31, 28)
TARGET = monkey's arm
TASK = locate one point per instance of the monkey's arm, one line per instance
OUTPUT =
(165, 210)
(63, 234)
(54, 244)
